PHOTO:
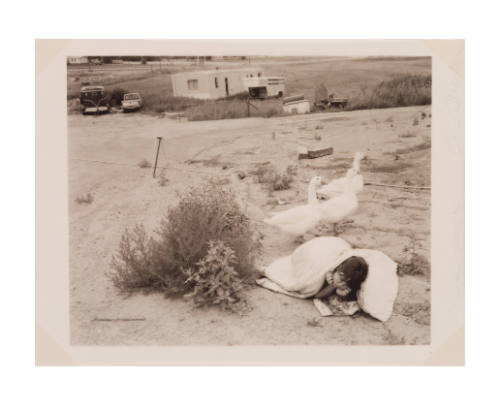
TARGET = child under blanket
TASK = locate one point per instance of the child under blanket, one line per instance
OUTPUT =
(341, 287)
(345, 280)
(334, 274)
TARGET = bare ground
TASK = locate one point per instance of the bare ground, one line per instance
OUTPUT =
(104, 153)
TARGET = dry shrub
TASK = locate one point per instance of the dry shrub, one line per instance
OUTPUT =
(415, 121)
(132, 267)
(273, 179)
(162, 179)
(203, 215)
(400, 91)
(214, 279)
(236, 108)
(413, 263)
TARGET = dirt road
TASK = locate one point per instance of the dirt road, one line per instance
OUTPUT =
(104, 153)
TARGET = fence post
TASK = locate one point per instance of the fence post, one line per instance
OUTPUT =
(156, 159)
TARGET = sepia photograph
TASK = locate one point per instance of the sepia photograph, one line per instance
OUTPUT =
(249, 200)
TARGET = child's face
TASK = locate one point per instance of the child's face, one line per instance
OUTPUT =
(341, 287)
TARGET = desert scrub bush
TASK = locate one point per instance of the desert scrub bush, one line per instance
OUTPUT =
(162, 179)
(236, 108)
(214, 279)
(400, 91)
(85, 199)
(132, 267)
(412, 263)
(415, 121)
(144, 164)
(207, 213)
(161, 262)
(273, 179)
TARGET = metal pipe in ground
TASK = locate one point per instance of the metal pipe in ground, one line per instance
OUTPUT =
(156, 159)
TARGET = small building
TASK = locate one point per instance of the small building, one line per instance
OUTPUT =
(78, 60)
(213, 84)
(297, 107)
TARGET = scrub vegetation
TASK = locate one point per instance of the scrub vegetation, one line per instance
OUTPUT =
(204, 248)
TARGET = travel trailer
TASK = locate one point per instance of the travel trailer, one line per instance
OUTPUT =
(214, 84)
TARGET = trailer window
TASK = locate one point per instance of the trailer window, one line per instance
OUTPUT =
(193, 84)
(216, 82)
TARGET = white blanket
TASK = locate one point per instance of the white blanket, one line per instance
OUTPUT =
(302, 274)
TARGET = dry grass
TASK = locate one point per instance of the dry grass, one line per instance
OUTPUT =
(411, 262)
(418, 312)
(399, 91)
(391, 338)
(274, 179)
(222, 109)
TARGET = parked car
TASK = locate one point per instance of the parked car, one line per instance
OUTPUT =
(94, 100)
(131, 101)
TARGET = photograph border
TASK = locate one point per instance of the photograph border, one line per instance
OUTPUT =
(447, 203)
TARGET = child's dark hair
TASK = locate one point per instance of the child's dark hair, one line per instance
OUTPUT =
(355, 271)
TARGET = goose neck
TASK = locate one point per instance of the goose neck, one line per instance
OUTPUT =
(311, 194)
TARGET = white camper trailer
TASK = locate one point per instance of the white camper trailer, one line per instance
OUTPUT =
(214, 84)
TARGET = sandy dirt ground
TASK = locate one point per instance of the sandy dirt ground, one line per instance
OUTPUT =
(104, 153)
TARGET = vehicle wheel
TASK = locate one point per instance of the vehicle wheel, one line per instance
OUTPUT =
(280, 94)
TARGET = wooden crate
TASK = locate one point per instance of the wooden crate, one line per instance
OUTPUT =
(320, 152)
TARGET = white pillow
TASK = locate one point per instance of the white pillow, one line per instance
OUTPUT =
(378, 292)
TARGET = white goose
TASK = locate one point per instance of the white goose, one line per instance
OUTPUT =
(352, 181)
(341, 206)
(299, 220)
